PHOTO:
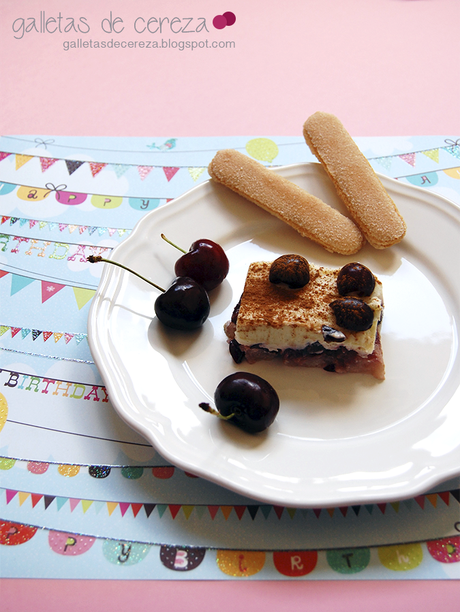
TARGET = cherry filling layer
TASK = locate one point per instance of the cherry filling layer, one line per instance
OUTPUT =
(315, 355)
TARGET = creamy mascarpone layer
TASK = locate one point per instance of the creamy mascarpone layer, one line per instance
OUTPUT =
(277, 317)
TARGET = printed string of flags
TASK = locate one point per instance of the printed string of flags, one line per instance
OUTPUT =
(70, 227)
(48, 289)
(214, 510)
(96, 167)
(452, 147)
(24, 332)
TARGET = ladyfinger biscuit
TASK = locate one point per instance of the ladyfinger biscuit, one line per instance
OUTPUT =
(309, 215)
(359, 187)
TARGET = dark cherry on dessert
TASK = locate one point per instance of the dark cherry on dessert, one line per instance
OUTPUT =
(205, 262)
(247, 400)
(354, 277)
(291, 270)
(352, 314)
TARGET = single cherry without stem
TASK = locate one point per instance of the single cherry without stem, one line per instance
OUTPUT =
(184, 305)
(205, 262)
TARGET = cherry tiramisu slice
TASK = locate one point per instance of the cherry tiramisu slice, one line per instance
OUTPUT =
(309, 315)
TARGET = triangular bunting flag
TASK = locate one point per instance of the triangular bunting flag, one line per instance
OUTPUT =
(4, 329)
(408, 503)
(445, 497)
(72, 228)
(73, 165)
(136, 508)
(170, 172)
(14, 331)
(79, 337)
(119, 169)
(68, 337)
(200, 511)
(343, 510)
(382, 508)
(60, 501)
(48, 499)
(22, 159)
(46, 162)
(25, 331)
(266, 510)
(432, 154)
(456, 493)
(174, 509)
(144, 171)
(22, 497)
(85, 504)
(5, 219)
(395, 506)
(161, 509)
(49, 289)
(240, 511)
(98, 505)
(291, 512)
(330, 511)
(9, 495)
(57, 336)
(83, 296)
(111, 507)
(433, 499)
(13, 220)
(124, 507)
(408, 158)
(35, 497)
(213, 511)
(73, 503)
(4, 155)
(47, 335)
(385, 162)
(369, 508)
(356, 509)
(187, 510)
(149, 508)
(19, 282)
(454, 149)
(226, 511)
(195, 173)
(36, 333)
(96, 168)
(278, 510)
(420, 499)
(253, 511)
(317, 512)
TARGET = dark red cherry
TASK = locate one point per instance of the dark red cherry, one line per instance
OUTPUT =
(185, 305)
(247, 400)
(354, 277)
(205, 262)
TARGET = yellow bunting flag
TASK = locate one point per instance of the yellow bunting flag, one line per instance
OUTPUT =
(83, 296)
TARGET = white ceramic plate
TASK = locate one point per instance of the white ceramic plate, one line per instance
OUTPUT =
(338, 439)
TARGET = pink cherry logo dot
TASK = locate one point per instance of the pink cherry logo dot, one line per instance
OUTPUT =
(219, 22)
(230, 17)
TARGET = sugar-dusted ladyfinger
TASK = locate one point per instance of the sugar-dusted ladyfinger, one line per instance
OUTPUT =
(357, 184)
(309, 215)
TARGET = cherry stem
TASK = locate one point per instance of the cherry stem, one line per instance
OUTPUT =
(207, 408)
(97, 259)
(172, 244)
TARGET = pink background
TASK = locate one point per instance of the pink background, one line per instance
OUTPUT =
(385, 67)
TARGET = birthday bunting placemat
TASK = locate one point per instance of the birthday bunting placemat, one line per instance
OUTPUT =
(75, 481)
